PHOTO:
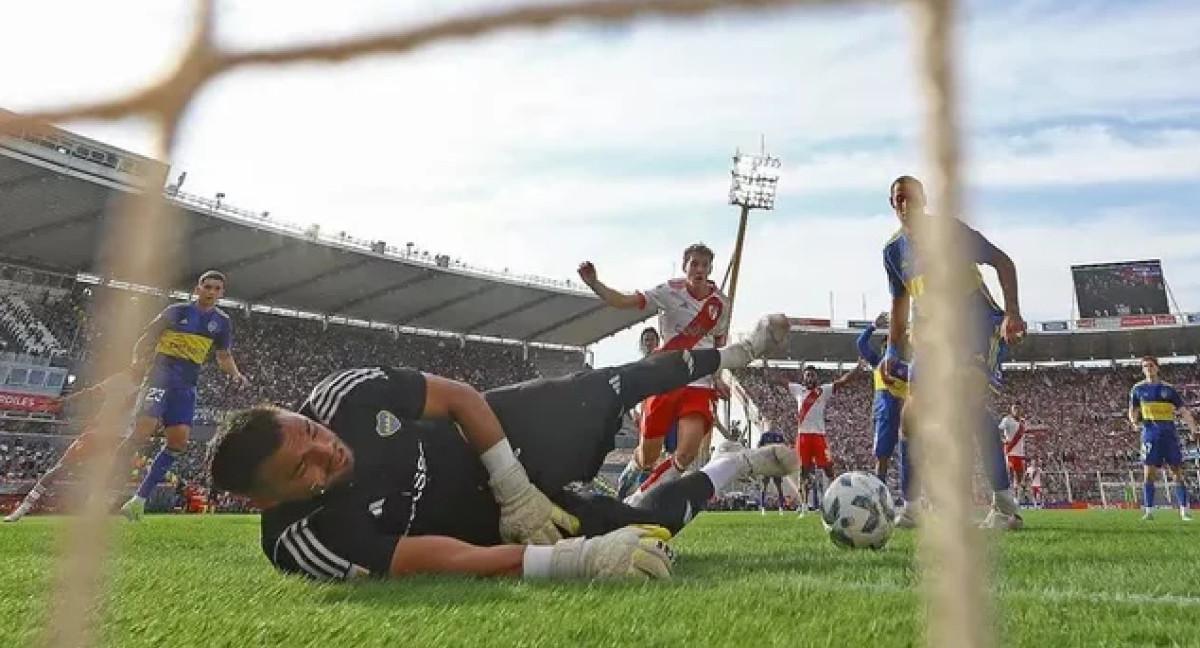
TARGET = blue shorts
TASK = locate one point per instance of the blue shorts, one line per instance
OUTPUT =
(672, 439)
(886, 412)
(1161, 447)
(170, 405)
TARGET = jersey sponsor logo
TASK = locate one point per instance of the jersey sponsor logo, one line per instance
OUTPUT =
(185, 346)
(386, 423)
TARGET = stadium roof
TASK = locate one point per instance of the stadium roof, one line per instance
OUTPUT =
(1084, 340)
(55, 190)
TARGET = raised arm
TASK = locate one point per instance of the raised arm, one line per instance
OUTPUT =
(614, 298)
(864, 346)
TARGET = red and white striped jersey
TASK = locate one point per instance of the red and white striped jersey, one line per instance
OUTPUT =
(810, 406)
(688, 323)
(1014, 436)
(1034, 475)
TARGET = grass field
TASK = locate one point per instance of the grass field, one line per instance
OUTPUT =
(1080, 578)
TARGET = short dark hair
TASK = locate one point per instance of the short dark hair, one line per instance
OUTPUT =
(237, 452)
(698, 248)
(1151, 359)
(212, 274)
(906, 179)
(649, 329)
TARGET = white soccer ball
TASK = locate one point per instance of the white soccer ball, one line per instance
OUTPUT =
(857, 511)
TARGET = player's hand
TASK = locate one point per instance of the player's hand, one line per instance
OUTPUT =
(527, 516)
(1012, 329)
(882, 320)
(587, 273)
(886, 372)
(638, 552)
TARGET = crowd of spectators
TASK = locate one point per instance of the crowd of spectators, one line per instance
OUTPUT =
(1077, 416)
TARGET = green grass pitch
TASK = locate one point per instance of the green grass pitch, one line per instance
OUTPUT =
(1084, 579)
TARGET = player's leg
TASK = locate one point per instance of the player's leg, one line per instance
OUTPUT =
(778, 480)
(695, 419)
(1152, 460)
(1173, 458)
(179, 407)
(674, 504)
(906, 516)
(69, 459)
(825, 463)
(886, 419)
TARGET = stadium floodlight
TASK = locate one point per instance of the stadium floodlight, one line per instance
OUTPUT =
(755, 180)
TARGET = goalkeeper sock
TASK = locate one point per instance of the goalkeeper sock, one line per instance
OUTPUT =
(158, 471)
(673, 505)
(1148, 495)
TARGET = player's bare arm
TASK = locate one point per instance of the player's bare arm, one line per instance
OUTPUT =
(637, 552)
(526, 514)
(1013, 326)
(1189, 419)
(847, 377)
(1135, 417)
(229, 367)
(614, 298)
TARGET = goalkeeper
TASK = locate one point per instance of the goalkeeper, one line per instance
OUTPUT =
(392, 472)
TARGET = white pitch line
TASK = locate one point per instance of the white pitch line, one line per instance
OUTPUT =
(1056, 595)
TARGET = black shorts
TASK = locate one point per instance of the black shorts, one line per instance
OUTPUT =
(563, 428)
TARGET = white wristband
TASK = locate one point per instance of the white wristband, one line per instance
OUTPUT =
(539, 561)
(498, 457)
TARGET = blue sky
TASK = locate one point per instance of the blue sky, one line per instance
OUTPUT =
(534, 151)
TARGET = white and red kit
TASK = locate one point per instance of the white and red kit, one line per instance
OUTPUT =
(686, 323)
(1034, 475)
(1014, 443)
(811, 446)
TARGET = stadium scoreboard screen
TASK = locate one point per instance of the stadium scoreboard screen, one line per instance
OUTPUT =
(1117, 289)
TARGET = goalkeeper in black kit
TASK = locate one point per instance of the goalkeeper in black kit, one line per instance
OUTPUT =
(391, 472)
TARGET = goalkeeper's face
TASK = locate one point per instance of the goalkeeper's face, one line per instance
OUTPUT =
(309, 460)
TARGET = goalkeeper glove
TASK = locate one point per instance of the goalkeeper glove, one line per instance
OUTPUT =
(638, 552)
(527, 516)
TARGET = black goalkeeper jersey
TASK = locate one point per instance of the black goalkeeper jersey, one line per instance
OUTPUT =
(410, 477)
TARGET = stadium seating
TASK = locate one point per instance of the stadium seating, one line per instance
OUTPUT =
(1082, 411)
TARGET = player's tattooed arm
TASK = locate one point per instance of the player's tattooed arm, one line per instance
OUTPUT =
(614, 298)
(460, 402)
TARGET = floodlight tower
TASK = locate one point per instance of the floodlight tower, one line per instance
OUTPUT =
(755, 179)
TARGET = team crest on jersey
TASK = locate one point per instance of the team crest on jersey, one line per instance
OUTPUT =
(212, 326)
(386, 423)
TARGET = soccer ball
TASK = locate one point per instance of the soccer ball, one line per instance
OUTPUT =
(857, 511)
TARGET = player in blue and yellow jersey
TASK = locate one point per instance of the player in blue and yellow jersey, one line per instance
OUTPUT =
(179, 341)
(992, 328)
(1153, 405)
(890, 394)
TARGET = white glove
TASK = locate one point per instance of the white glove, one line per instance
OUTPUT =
(637, 552)
(527, 516)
